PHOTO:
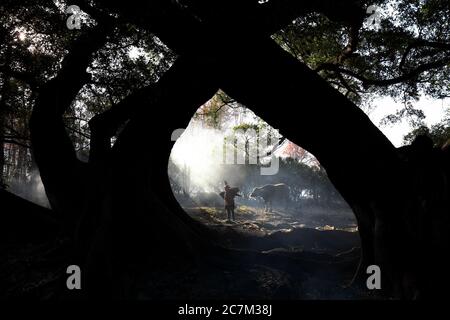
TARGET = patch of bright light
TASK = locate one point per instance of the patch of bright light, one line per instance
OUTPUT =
(22, 36)
(198, 150)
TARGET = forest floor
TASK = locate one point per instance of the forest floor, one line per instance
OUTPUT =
(277, 255)
(312, 255)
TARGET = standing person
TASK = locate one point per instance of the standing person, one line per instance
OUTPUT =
(228, 195)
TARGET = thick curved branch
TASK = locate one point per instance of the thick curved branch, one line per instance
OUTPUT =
(421, 43)
(197, 16)
(386, 82)
(62, 173)
(105, 125)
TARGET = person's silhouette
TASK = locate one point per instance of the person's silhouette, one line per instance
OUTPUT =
(228, 196)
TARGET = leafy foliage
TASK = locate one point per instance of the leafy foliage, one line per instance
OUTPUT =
(407, 56)
(439, 133)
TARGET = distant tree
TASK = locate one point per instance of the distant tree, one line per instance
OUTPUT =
(217, 111)
(439, 133)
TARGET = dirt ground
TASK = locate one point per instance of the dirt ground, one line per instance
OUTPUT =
(278, 220)
(309, 255)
